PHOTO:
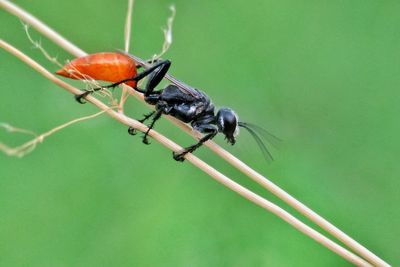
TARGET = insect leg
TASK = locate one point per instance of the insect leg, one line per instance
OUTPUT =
(159, 69)
(132, 131)
(179, 156)
(156, 76)
(80, 97)
(157, 115)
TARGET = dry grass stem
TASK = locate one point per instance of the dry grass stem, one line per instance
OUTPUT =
(128, 25)
(11, 129)
(62, 42)
(127, 39)
(167, 34)
(38, 45)
(29, 146)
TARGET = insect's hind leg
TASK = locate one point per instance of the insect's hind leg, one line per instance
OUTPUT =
(157, 72)
(79, 97)
(156, 76)
(212, 132)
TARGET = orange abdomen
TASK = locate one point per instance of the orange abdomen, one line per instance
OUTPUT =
(104, 66)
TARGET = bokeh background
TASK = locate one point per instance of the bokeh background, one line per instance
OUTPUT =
(323, 76)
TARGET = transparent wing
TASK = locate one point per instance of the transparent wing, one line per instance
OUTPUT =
(186, 89)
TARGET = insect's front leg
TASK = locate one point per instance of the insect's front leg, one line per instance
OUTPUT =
(210, 130)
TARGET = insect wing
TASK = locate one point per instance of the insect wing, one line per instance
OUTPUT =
(186, 89)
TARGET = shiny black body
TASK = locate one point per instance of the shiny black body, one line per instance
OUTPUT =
(183, 102)
(198, 111)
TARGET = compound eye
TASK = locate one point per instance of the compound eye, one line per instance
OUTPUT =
(230, 125)
(227, 122)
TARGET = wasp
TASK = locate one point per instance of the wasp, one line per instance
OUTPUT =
(188, 104)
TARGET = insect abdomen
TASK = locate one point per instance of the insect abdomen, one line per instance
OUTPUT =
(103, 66)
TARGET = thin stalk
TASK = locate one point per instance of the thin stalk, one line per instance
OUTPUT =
(127, 41)
(29, 146)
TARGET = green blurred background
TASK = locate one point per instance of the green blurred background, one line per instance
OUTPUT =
(322, 75)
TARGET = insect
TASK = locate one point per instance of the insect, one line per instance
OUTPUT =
(179, 100)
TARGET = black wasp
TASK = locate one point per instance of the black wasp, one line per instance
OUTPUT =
(181, 101)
